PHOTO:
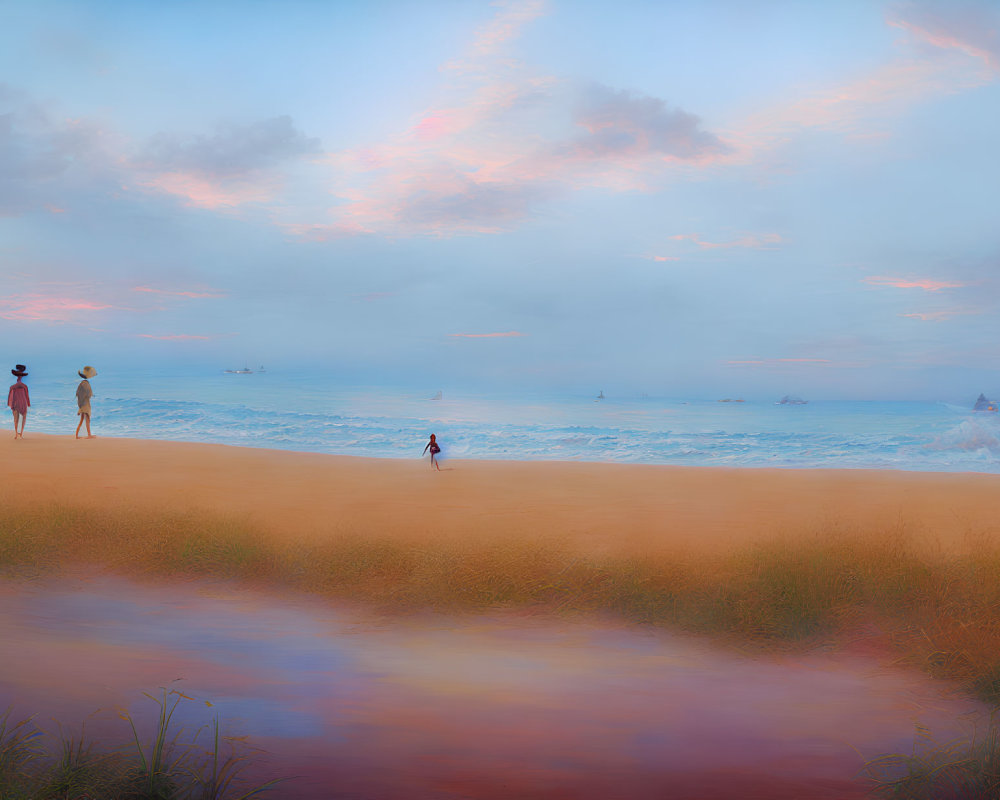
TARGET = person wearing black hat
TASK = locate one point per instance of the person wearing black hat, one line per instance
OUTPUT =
(83, 395)
(18, 399)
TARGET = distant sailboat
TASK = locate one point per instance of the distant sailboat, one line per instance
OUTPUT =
(982, 404)
(599, 397)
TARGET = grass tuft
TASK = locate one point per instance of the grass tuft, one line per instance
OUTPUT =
(964, 769)
(169, 767)
(158, 768)
(19, 750)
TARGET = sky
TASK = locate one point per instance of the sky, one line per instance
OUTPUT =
(723, 197)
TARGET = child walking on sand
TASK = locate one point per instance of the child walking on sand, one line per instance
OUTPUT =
(432, 445)
(18, 399)
(83, 395)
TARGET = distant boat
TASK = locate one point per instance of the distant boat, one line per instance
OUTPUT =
(261, 368)
(244, 371)
(982, 404)
(599, 397)
(790, 400)
(438, 396)
(731, 400)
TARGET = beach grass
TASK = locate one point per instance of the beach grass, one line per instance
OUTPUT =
(19, 751)
(172, 765)
(937, 613)
(966, 768)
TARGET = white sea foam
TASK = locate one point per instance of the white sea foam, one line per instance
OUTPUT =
(979, 433)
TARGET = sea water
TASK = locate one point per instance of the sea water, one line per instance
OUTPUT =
(295, 411)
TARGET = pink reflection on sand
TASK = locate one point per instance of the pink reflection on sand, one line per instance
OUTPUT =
(503, 705)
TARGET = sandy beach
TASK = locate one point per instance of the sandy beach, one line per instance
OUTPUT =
(607, 509)
(550, 543)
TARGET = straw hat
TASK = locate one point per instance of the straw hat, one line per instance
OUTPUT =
(87, 372)
(20, 370)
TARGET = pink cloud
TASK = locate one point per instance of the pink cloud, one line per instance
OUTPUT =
(472, 109)
(233, 166)
(48, 308)
(203, 192)
(150, 290)
(501, 140)
(622, 142)
(506, 25)
(912, 283)
(656, 258)
(426, 195)
(968, 28)
(939, 316)
(860, 108)
(487, 335)
(53, 209)
(765, 241)
(433, 126)
(847, 106)
(481, 166)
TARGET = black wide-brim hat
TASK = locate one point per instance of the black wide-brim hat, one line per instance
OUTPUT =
(19, 370)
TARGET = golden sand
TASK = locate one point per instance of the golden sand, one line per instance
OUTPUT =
(607, 509)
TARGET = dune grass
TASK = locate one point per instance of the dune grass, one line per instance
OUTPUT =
(967, 768)
(173, 765)
(939, 614)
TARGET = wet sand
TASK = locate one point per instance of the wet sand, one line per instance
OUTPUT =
(598, 508)
(478, 706)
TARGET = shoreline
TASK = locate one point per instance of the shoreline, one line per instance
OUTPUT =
(925, 437)
(486, 459)
(600, 507)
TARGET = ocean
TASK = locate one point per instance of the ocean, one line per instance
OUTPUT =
(294, 411)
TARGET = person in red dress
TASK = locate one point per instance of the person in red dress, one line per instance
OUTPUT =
(18, 399)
